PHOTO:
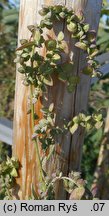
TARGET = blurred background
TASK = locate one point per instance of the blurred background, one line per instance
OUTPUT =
(95, 161)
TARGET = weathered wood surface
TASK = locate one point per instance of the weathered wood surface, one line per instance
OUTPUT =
(23, 147)
(66, 105)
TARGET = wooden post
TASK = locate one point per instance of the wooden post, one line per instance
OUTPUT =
(67, 105)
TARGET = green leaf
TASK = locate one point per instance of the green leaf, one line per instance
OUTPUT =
(105, 10)
(48, 81)
(81, 45)
(99, 117)
(56, 57)
(71, 88)
(80, 34)
(72, 27)
(65, 70)
(13, 173)
(28, 69)
(50, 44)
(98, 125)
(17, 60)
(49, 15)
(37, 57)
(49, 54)
(80, 17)
(94, 52)
(86, 27)
(31, 28)
(91, 36)
(21, 70)
(88, 126)
(29, 44)
(46, 68)
(58, 8)
(76, 119)
(62, 76)
(62, 15)
(87, 118)
(19, 52)
(51, 107)
(44, 11)
(74, 80)
(82, 116)
(74, 36)
(25, 55)
(73, 128)
(60, 36)
(68, 67)
(37, 36)
(63, 46)
(68, 185)
(87, 70)
(46, 23)
(23, 41)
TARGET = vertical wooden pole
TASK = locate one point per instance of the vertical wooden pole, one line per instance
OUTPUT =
(67, 105)
(23, 147)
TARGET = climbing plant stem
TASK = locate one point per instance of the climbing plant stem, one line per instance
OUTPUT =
(33, 124)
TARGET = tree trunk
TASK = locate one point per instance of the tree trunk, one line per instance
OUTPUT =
(67, 105)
